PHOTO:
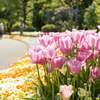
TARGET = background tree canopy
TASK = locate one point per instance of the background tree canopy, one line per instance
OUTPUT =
(64, 14)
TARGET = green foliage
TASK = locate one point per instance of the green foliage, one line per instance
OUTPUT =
(37, 20)
(49, 28)
(43, 13)
(97, 10)
(30, 29)
(40, 12)
(15, 11)
(61, 18)
(46, 12)
(16, 28)
(90, 17)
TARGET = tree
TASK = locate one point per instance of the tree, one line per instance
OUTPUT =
(15, 11)
(38, 20)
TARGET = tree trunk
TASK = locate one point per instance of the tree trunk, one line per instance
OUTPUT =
(76, 14)
(24, 10)
(9, 27)
(71, 15)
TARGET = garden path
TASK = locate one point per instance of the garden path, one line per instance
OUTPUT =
(11, 51)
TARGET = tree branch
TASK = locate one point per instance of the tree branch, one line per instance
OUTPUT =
(30, 11)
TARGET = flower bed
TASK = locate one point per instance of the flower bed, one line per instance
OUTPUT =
(15, 79)
(64, 66)
(75, 72)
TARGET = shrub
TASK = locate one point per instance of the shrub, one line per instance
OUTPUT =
(49, 28)
(30, 29)
(90, 17)
(16, 28)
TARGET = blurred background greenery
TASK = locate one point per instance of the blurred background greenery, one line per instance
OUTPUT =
(50, 15)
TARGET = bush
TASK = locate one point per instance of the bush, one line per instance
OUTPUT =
(49, 28)
(30, 29)
(16, 28)
(90, 17)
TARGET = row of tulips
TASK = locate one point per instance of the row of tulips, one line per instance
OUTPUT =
(75, 73)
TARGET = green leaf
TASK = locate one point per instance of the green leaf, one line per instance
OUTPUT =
(28, 99)
(31, 88)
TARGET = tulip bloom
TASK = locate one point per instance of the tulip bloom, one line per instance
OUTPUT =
(36, 55)
(50, 51)
(75, 66)
(66, 42)
(49, 69)
(95, 72)
(66, 45)
(96, 53)
(66, 91)
(91, 40)
(76, 36)
(45, 40)
(98, 44)
(98, 26)
(57, 62)
(83, 45)
(83, 56)
(92, 32)
(56, 38)
(64, 51)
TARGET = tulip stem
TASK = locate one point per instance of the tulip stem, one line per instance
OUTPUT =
(38, 71)
(81, 98)
(93, 58)
(44, 69)
(73, 52)
(36, 92)
(39, 76)
(76, 52)
(58, 79)
(94, 89)
(85, 86)
(83, 74)
(91, 72)
(52, 84)
(74, 87)
(99, 60)
(68, 73)
(77, 80)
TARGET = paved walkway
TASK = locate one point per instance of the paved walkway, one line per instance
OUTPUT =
(11, 51)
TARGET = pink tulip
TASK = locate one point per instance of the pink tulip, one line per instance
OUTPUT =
(56, 38)
(64, 51)
(84, 46)
(96, 53)
(83, 56)
(95, 72)
(91, 32)
(49, 69)
(57, 62)
(77, 36)
(75, 66)
(91, 40)
(50, 51)
(98, 26)
(66, 91)
(36, 55)
(66, 42)
(45, 40)
(98, 44)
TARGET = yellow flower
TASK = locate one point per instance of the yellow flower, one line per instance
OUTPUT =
(81, 92)
(21, 95)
